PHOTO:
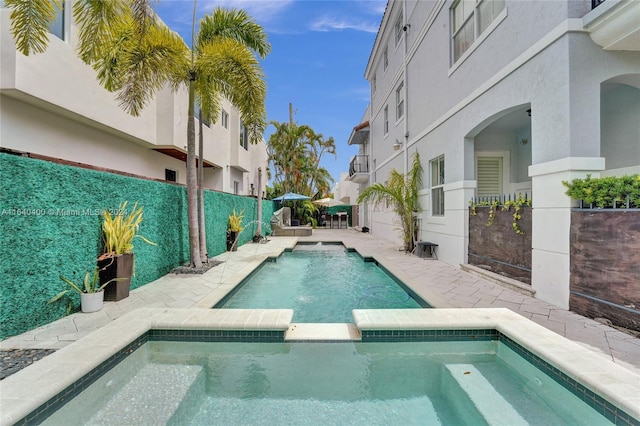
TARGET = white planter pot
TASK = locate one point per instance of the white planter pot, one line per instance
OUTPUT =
(91, 302)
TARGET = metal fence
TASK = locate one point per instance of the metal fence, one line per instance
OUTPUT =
(614, 204)
(501, 199)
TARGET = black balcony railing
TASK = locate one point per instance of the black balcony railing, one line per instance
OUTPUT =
(359, 164)
(596, 3)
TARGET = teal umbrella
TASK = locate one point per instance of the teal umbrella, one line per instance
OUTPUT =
(291, 196)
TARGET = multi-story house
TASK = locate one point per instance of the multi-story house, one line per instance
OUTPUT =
(51, 105)
(498, 97)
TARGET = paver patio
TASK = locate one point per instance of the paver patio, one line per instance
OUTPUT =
(442, 285)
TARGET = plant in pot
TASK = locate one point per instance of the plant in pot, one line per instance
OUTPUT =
(234, 229)
(91, 291)
(118, 230)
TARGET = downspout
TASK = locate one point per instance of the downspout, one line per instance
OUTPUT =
(406, 90)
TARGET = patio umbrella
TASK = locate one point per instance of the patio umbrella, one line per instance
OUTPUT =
(291, 196)
(328, 202)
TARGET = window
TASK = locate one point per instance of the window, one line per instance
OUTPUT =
(170, 175)
(469, 19)
(385, 58)
(57, 26)
(399, 28)
(224, 119)
(386, 119)
(244, 136)
(437, 186)
(400, 101)
(236, 187)
(198, 113)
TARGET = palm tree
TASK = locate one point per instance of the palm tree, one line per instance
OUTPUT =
(295, 152)
(401, 193)
(136, 56)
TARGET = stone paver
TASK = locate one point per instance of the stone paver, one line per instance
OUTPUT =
(442, 285)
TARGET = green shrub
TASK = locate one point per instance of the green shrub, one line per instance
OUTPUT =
(606, 192)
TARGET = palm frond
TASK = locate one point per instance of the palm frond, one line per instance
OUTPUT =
(231, 68)
(95, 19)
(30, 20)
(233, 24)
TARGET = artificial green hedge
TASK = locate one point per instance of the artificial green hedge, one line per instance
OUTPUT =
(50, 217)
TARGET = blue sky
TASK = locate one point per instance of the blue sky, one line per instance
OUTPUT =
(319, 51)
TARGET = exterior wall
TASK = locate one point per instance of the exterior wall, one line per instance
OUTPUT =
(535, 55)
(53, 105)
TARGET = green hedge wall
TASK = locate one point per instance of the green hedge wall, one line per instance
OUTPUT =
(50, 218)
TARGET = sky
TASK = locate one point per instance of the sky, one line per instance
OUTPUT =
(319, 52)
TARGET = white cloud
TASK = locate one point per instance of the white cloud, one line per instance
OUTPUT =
(262, 11)
(329, 23)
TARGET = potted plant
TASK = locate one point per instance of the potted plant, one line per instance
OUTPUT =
(91, 292)
(118, 230)
(234, 229)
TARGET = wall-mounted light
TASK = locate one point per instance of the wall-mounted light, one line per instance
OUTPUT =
(397, 145)
(529, 112)
(524, 141)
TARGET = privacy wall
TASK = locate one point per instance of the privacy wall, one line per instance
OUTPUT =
(50, 222)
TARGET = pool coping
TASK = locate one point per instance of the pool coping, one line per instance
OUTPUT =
(27, 390)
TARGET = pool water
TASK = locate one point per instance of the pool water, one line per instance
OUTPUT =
(322, 283)
(416, 383)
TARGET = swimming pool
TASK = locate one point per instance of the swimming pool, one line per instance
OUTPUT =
(322, 283)
(35, 393)
(403, 383)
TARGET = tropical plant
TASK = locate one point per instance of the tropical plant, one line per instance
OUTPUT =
(135, 55)
(120, 227)
(606, 192)
(235, 221)
(295, 152)
(307, 211)
(90, 284)
(401, 193)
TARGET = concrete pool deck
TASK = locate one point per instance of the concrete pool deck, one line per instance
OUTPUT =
(442, 285)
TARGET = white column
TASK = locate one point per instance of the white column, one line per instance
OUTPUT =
(551, 216)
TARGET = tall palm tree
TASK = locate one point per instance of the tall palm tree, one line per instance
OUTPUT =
(401, 193)
(135, 56)
(295, 152)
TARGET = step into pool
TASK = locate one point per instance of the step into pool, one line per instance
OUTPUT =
(356, 383)
(322, 283)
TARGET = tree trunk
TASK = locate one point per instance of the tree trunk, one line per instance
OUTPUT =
(192, 182)
(203, 233)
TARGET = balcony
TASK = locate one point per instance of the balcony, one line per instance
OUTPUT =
(614, 24)
(359, 169)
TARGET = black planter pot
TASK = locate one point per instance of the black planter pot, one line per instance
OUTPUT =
(232, 241)
(119, 266)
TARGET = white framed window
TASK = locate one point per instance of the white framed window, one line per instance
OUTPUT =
(385, 58)
(386, 120)
(400, 101)
(244, 136)
(399, 28)
(437, 186)
(224, 119)
(469, 19)
(170, 175)
(56, 27)
(236, 187)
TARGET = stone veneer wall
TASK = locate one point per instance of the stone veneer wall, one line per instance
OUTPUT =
(605, 265)
(497, 246)
(50, 225)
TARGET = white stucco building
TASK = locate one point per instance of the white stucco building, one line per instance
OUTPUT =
(52, 105)
(501, 96)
